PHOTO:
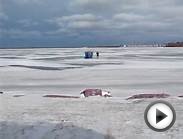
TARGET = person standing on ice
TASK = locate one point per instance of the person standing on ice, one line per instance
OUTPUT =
(97, 53)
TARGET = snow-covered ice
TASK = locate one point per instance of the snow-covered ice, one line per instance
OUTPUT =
(122, 71)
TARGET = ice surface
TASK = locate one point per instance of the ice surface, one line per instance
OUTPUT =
(122, 71)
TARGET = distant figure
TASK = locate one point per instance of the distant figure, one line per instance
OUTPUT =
(97, 53)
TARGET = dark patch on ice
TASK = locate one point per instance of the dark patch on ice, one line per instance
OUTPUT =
(46, 54)
(166, 54)
(148, 56)
(11, 57)
(18, 95)
(36, 67)
(94, 64)
(40, 130)
(43, 67)
(58, 58)
(60, 96)
(140, 96)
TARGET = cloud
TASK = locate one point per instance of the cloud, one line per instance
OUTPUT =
(28, 1)
(129, 17)
(140, 17)
(106, 6)
(106, 20)
(92, 3)
(79, 17)
(117, 22)
(78, 21)
(27, 23)
(156, 9)
(17, 33)
(3, 16)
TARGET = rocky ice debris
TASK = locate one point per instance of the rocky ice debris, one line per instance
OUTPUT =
(85, 93)
(140, 96)
(95, 92)
(1, 92)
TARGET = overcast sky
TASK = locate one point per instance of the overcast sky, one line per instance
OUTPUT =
(89, 22)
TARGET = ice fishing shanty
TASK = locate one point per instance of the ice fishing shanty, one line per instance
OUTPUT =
(88, 54)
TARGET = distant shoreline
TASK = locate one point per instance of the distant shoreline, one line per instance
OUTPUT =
(139, 46)
(128, 46)
(27, 47)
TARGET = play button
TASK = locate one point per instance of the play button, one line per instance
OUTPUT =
(160, 116)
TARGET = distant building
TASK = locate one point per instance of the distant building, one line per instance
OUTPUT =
(174, 44)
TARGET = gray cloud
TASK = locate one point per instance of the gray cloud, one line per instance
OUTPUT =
(17, 33)
(119, 21)
(28, 1)
(78, 21)
(3, 16)
(27, 23)
(100, 20)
